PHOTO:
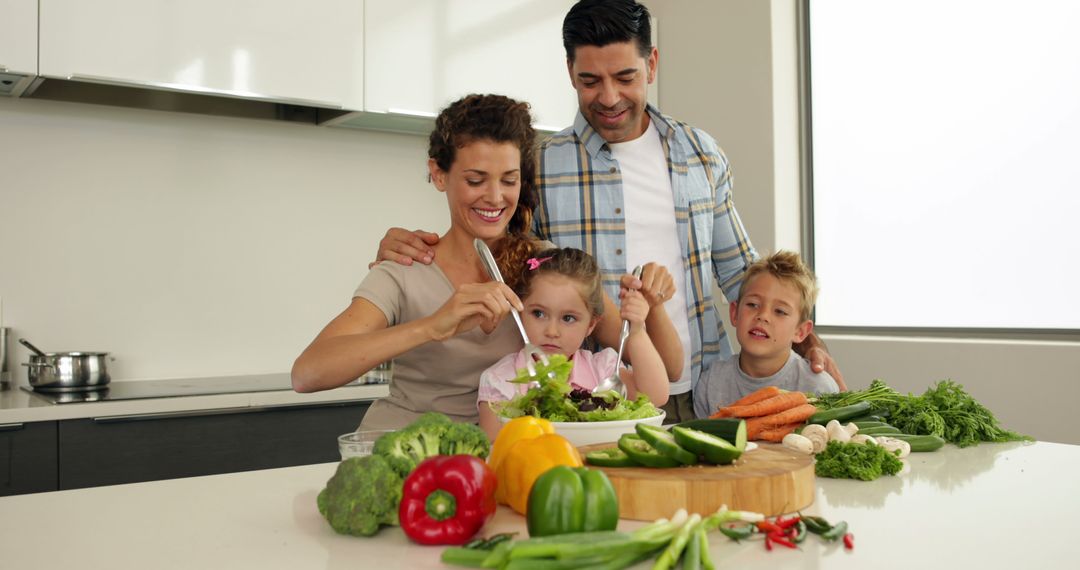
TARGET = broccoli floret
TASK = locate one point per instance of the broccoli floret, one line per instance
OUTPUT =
(405, 448)
(430, 435)
(398, 452)
(363, 495)
(465, 439)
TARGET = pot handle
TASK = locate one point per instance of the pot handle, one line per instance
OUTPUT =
(37, 364)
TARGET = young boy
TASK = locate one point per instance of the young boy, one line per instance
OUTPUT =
(772, 313)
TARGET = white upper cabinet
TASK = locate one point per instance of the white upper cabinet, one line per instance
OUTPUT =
(18, 36)
(423, 54)
(309, 53)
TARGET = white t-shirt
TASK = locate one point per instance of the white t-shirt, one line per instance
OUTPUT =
(651, 232)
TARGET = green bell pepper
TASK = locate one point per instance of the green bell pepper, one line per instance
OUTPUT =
(571, 499)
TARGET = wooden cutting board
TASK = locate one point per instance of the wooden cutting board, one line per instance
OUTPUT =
(771, 480)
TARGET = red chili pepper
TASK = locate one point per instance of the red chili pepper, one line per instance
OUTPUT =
(782, 540)
(849, 541)
(447, 499)
(768, 543)
(787, 523)
(766, 526)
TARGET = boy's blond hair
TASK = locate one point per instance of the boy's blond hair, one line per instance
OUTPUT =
(788, 268)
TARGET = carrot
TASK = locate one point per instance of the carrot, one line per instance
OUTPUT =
(770, 406)
(755, 426)
(752, 398)
(798, 414)
(757, 396)
(776, 434)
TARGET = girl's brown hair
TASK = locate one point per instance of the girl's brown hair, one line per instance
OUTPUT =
(498, 119)
(568, 262)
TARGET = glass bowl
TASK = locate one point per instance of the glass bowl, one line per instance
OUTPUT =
(359, 443)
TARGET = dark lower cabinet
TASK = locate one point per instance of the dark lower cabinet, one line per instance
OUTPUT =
(28, 458)
(129, 449)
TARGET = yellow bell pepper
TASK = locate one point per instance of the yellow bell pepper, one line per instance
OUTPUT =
(526, 460)
(523, 427)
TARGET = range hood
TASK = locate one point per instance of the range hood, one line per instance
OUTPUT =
(172, 98)
(184, 99)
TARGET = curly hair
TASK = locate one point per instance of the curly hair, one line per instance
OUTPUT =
(499, 119)
(568, 262)
(788, 268)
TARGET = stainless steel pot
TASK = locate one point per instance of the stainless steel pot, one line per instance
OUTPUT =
(68, 371)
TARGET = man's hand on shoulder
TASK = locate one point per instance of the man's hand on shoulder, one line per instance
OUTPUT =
(815, 351)
(403, 246)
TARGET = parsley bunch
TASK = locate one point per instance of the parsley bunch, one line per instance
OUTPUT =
(856, 461)
(945, 410)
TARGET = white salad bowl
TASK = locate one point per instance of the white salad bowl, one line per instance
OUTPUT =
(588, 433)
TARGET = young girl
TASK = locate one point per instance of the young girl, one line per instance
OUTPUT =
(563, 299)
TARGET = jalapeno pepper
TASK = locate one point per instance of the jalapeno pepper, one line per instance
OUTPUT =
(799, 533)
(816, 525)
(836, 531)
(738, 533)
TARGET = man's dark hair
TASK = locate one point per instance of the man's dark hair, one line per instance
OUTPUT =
(602, 22)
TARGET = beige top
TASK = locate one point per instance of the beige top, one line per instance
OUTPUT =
(437, 376)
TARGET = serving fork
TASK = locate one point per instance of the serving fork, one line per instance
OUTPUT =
(532, 352)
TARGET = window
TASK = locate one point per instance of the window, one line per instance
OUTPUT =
(945, 140)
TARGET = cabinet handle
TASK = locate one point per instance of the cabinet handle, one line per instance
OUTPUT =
(203, 91)
(11, 427)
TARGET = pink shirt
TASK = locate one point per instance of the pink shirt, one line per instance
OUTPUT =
(589, 368)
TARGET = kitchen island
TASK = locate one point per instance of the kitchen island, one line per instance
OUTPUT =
(990, 506)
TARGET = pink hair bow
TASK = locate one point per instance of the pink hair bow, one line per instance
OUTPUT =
(535, 263)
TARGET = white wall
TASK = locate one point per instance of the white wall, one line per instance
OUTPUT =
(190, 245)
(729, 66)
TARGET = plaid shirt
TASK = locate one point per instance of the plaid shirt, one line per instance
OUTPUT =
(581, 206)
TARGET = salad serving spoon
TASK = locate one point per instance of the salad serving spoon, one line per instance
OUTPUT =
(613, 382)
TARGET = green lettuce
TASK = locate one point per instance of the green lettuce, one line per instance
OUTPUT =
(550, 398)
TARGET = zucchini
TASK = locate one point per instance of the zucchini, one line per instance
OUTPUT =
(715, 450)
(881, 430)
(664, 442)
(840, 414)
(919, 443)
(873, 416)
(609, 457)
(644, 454)
(731, 429)
(863, 424)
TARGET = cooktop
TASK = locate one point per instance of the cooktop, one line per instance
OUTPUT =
(142, 389)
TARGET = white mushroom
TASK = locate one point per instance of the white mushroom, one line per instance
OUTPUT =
(796, 442)
(851, 428)
(891, 444)
(818, 435)
(837, 432)
(864, 439)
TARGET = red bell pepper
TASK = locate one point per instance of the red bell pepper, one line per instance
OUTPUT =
(447, 499)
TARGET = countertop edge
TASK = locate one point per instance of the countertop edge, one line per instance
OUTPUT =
(22, 407)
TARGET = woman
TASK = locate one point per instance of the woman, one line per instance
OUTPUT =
(442, 323)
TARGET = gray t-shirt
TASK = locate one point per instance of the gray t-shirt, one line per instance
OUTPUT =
(724, 382)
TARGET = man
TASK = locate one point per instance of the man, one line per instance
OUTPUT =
(630, 185)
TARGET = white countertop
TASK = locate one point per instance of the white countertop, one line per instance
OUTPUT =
(19, 406)
(991, 506)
